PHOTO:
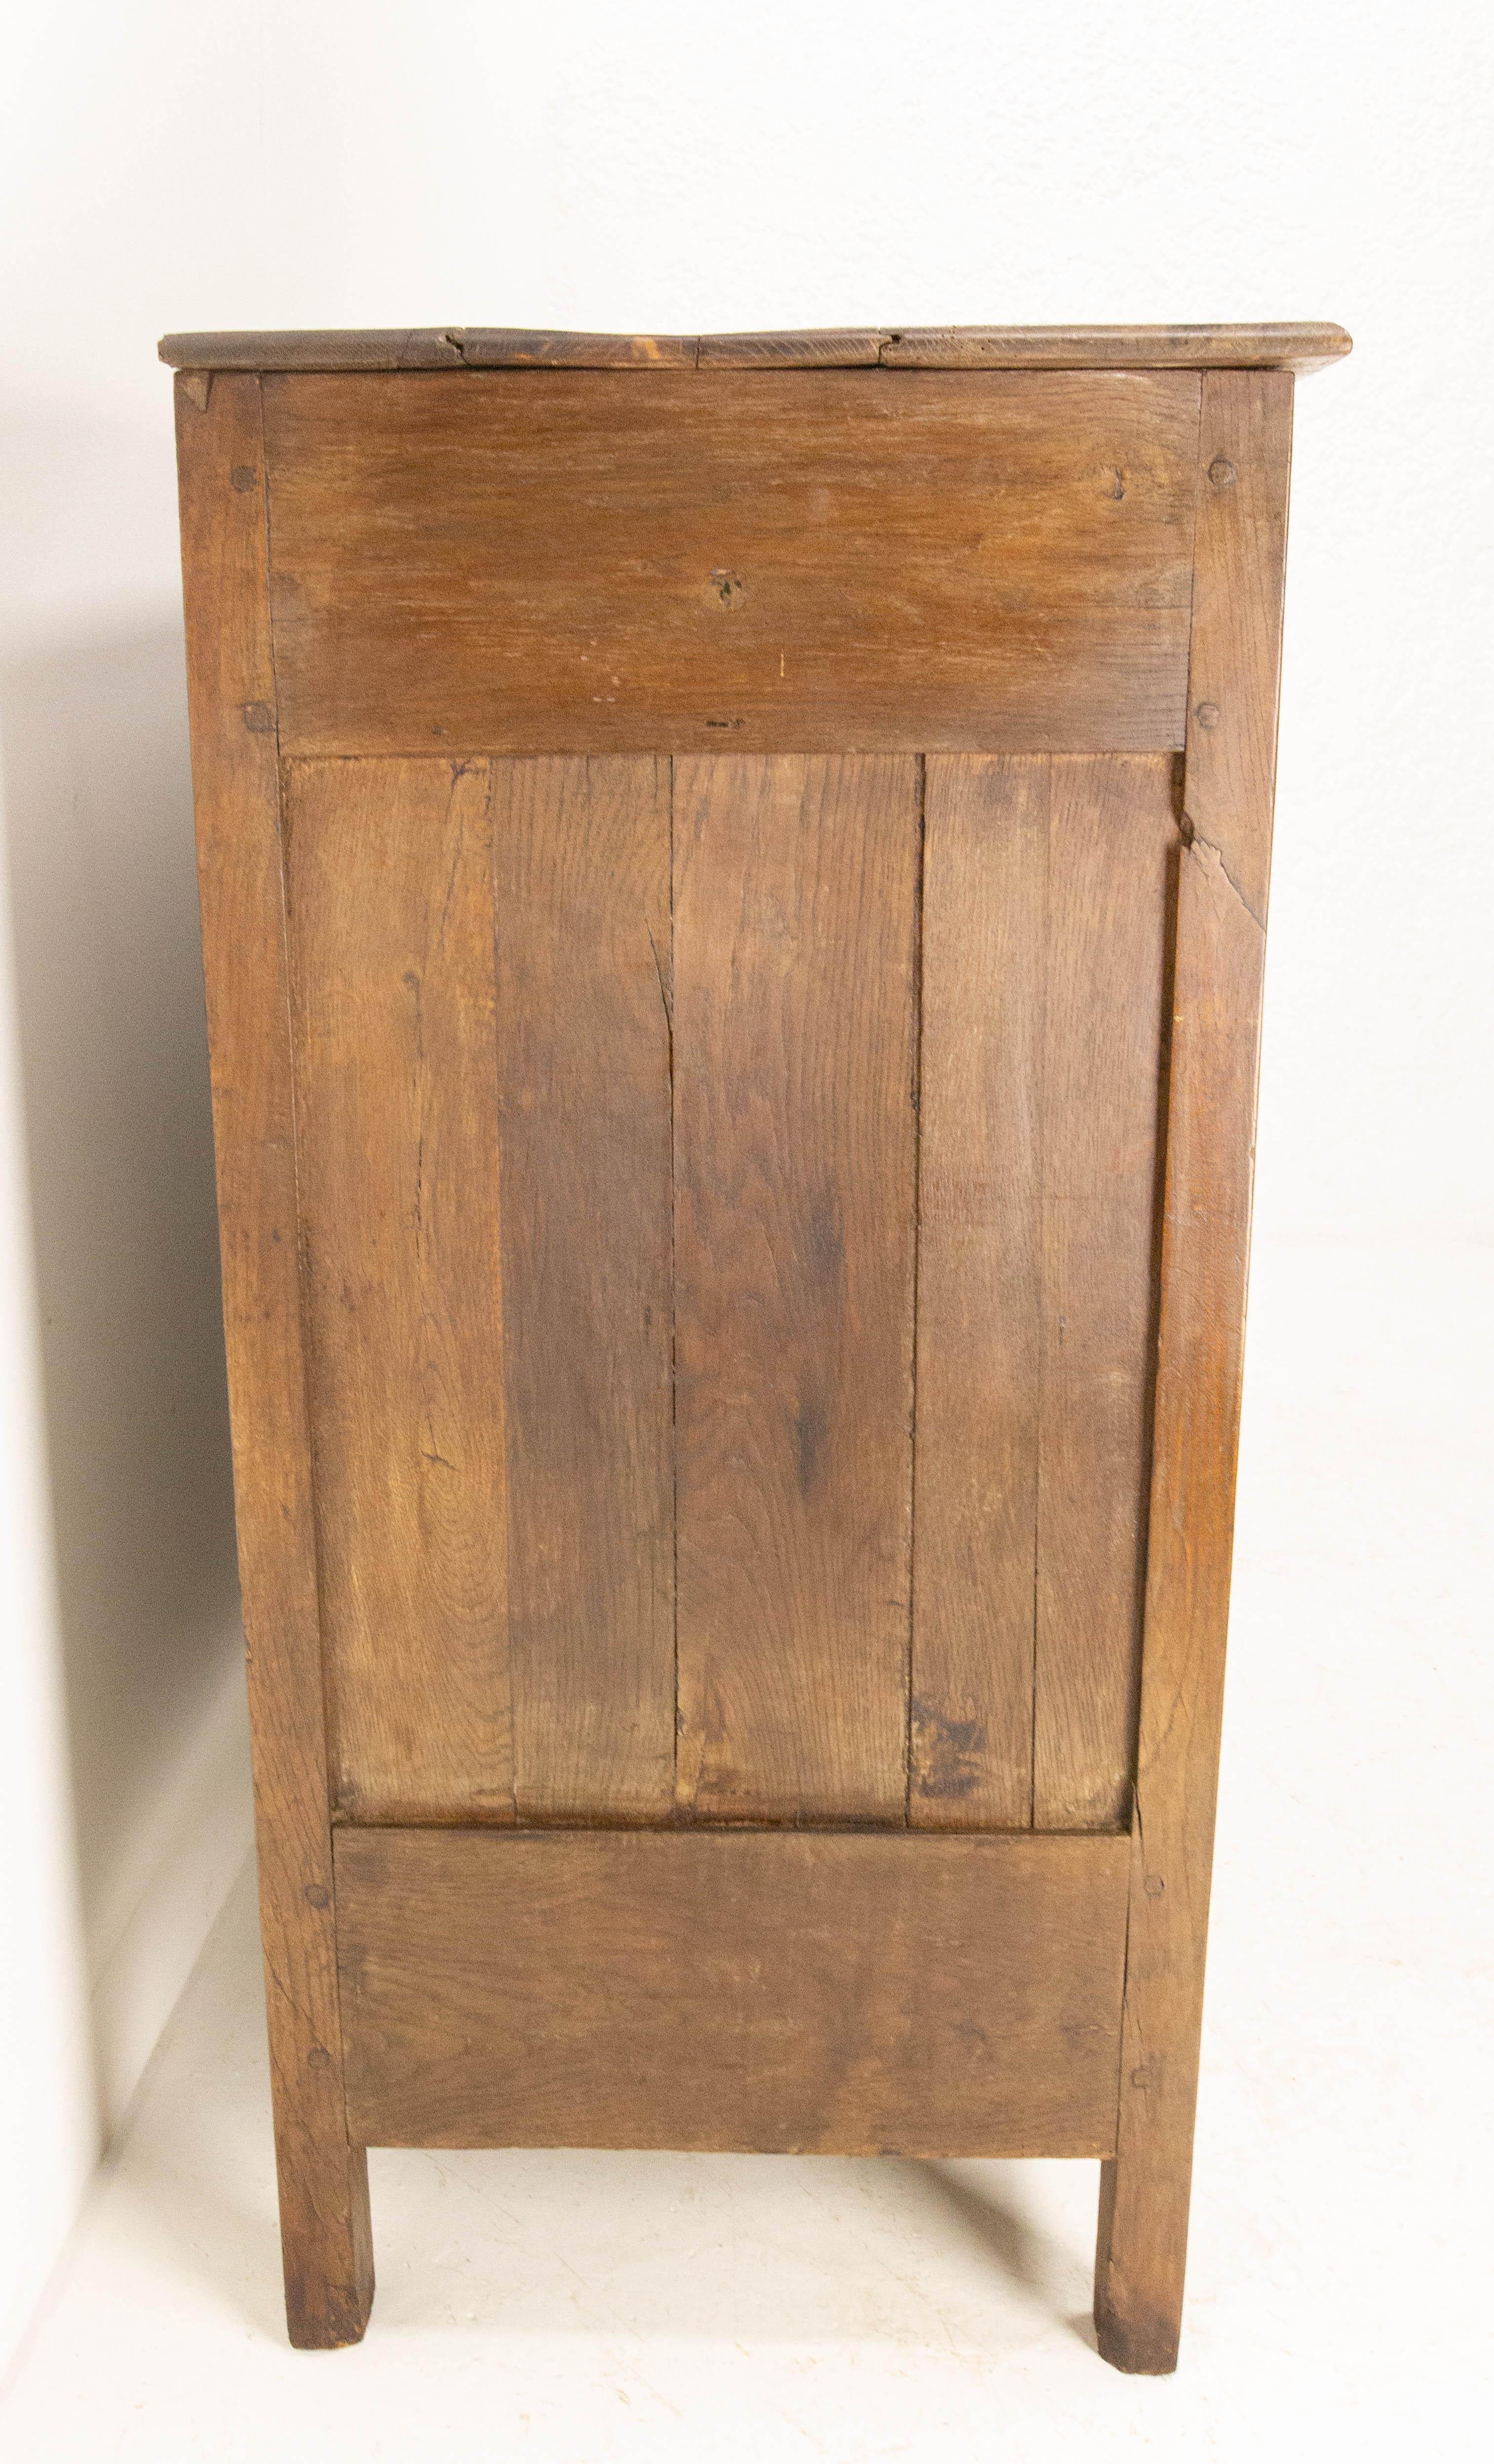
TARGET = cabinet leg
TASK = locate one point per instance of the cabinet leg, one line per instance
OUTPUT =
(326, 2240)
(1138, 2264)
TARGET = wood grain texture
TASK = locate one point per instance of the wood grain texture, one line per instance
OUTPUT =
(1143, 2231)
(825, 1993)
(986, 894)
(392, 978)
(795, 899)
(323, 2181)
(1293, 347)
(1112, 834)
(582, 925)
(580, 563)
(1244, 471)
(1044, 916)
(1144, 2204)
(1301, 347)
(840, 347)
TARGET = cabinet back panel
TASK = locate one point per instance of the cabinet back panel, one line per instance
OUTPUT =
(744, 1165)
(860, 560)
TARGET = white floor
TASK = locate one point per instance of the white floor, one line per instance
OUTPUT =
(591, 2308)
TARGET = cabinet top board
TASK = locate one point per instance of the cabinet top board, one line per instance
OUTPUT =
(1300, 349)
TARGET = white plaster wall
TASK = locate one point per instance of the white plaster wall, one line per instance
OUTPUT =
(677, 166)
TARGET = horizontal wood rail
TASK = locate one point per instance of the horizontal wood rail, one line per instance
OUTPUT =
(777, 1991)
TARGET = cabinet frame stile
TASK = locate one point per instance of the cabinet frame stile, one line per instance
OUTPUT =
(323, 2182)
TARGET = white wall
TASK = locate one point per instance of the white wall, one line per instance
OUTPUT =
(675, 167)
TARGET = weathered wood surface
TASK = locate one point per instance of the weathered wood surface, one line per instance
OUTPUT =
(583, 931)
(1112, 834)
(231, 686)
(984, 965)
(1298, 348)
(749, 1990)
(483, 1083)
(1210, 1153)
(794, 915)
(1245, 470)
(1301, 347)
(392, 978)
(489, 1047)
(578, 563)
(1045, 914)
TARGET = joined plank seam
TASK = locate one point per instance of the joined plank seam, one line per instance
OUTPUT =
(1039, 1096)
(917, 1093)
(674, 1804)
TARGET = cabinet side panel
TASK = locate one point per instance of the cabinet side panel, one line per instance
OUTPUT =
(1113, 837)
(231, 686)
(582, 929)
(392, 940)
(980, 1290)
(795, 921)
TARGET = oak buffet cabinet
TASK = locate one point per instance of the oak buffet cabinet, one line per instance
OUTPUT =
(733, 875)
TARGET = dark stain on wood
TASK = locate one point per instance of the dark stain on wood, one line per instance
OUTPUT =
(949, 1755)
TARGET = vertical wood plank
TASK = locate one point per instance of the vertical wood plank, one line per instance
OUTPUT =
(1228, 787)
(323, 2182)
(583, 927)
(980, 1284)
(794, 908)
(1044, 918)
(392, 979)
(1113, 837)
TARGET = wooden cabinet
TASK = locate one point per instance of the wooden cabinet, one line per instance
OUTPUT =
(734, 876)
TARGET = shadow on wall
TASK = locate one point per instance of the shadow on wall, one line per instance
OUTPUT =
(120, 1142)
